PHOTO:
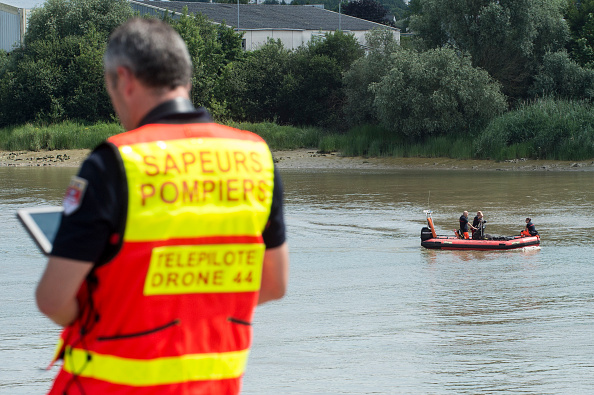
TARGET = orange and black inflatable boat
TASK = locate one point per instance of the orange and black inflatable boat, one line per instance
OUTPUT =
(429, 239)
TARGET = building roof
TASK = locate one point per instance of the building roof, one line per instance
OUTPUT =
(266, 17)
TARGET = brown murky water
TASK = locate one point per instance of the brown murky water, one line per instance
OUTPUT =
(369, 310)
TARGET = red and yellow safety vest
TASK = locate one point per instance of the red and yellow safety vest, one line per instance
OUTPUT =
(171, 313)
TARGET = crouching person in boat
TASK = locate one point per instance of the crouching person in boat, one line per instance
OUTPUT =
(530, 229)
(463, 232)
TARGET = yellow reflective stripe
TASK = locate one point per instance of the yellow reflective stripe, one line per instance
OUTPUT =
(227, 182)
(204, 269)
(159, 371)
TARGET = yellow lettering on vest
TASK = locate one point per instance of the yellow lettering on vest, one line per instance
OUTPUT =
(204, 269)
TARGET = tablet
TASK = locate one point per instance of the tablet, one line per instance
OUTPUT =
(42, 224)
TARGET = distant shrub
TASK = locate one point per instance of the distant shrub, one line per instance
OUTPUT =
(436, 93)
(561, 77)
(544, 129)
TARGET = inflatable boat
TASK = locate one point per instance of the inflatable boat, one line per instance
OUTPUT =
(429, 239)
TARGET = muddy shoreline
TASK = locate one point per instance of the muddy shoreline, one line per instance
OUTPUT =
(312, 159)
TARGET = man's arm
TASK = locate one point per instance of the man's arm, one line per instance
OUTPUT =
(275, 273)
(57, 289)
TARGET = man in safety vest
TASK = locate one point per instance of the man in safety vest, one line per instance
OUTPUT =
(172, 233)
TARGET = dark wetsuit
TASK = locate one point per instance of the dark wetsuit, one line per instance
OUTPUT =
(478, 224)
(531, 229)
(463, 224)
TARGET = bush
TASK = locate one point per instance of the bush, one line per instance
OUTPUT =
(561, 77)
(436, 93)
(544, 129)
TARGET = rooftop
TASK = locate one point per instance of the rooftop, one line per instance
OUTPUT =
(264, 16)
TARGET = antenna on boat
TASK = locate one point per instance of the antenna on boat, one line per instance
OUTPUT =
(429, 197)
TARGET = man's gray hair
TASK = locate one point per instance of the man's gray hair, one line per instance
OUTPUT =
(152, 50)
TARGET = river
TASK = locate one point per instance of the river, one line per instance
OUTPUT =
(368, 310)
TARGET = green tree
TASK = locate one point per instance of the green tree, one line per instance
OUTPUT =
(369, 10)
(252, 86)
(434, 93)
(212, 47)
(63, 18)
(302, 87)
(58, 74)
(580, 17)
(368, 69)
(508, 38)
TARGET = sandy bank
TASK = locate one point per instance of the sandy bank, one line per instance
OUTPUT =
(312, 159)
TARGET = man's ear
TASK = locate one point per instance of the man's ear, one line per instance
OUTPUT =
(126, 80)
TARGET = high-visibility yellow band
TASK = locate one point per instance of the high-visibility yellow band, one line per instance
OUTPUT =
(159, 371)
(204, 269)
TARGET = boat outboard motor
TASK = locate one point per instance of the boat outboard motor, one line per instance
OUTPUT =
(426, 234)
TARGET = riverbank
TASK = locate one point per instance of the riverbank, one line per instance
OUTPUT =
(312, 159)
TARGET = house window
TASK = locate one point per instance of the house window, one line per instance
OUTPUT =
(243, 44)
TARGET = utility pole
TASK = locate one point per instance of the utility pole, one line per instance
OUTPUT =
(339, 16)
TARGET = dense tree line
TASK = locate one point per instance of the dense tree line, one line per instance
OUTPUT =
(469, 61)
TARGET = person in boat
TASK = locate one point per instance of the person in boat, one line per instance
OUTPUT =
(464, 225)
(477, 223)
(530, 229)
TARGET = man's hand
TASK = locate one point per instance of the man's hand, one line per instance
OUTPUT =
(275, 273)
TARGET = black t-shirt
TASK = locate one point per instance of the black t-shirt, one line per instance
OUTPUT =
(463, 224)
(88, 233)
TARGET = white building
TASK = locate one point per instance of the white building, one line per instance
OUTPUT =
(293, 25)
(13, 24)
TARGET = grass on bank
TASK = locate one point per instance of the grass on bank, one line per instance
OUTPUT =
(371, 140)
(65, 135)
(544, 129)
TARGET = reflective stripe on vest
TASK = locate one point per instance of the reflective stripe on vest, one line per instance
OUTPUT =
(159, 371)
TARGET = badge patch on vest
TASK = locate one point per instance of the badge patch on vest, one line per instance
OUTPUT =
(74, 195)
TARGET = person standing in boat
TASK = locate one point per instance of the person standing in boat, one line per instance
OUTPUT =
(464, 225)
(530, 229)
(477, 223)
